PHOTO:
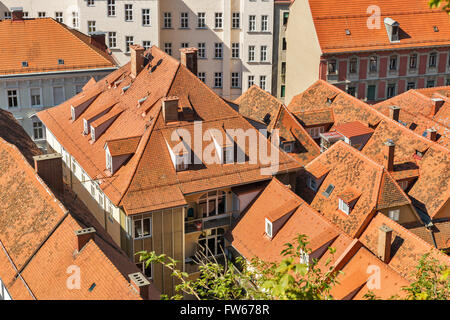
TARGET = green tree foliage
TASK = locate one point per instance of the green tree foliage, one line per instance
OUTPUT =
(294, 277)
(438, 3)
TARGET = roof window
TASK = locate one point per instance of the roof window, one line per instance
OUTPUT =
(347, 32)
(60, 61)
(328, 191)
(24, 64)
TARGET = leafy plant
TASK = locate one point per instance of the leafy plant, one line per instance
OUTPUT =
(437, 3)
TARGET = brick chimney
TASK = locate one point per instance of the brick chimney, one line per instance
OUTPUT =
(83, 237)
(394, 113)
(49, 168)
(432, 134)
(384, 243)
(170, 109)
(137, 59)
(189, 59)
(98, 40)
(17, 14)
(437, 103)
(141, 284)
(389, 155)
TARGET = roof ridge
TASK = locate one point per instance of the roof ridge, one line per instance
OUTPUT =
(402, 13)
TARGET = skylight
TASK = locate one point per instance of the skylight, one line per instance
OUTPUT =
(24, 63)
(328, 191)
(347, 32)
(60, 61)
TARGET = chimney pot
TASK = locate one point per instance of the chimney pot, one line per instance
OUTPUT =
(394, 113)
(49, 168)
(137, 59)
(141, 284)
(98, 40)
(83, 237)
(389, 155)
(170, 109)
(432, 134)
(384, 243)
(437, 103)
(189, 59)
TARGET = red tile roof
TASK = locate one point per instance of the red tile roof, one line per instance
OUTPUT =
(353, 129)
(416, 19)
(42, 42)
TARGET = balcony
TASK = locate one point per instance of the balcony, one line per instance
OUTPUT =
(216, 221)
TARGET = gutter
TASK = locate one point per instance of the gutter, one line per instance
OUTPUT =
(56, 72)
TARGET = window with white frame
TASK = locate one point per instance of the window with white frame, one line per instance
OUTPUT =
(181, 162)
(394, 214)
(251, 80)
(252, 23)
(235, 80)
(217, 79)
(201, 20)
(413, 61)
(75, 20)
(59, 17)
(168, 48)
(262, 82)
(7, 15)
(268, 228)
(91, 27)
(146, 17)
(235, 50)
(212, 242)
(38, 130)
(432, 60)
(146, 44)
(373, 64)
(142, 228)
(236, 20)
(90, 3)
(167, 20)
(343, 206)
(218, 50)
(129, 40)
(263, 53)
(202, 76)
(41, 14)
(212, 203)
(315, 132)
(312, 183)
(304, 257)
(332, 66)
(264, 23)
(35, 95)
(201, 50)
(112, 39)
(251, 53)
(218, 20)
(108, 161)
(353, 65)
(128, 12)
(393, 63)
(13, 99)
(111, 6)
(184, 20)
(391, 90)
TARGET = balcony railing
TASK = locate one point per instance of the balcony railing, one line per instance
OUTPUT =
(220, 220)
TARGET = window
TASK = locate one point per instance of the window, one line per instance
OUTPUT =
(391, 90)
(128, 12)
(263, 53)
(111, 8)
(112, 39)
(108, 161)
(184, 20)
(91, 27)
(394, 214)
(252, 23)
(235, 80)
(129, 40)
(351, 91)
(7, 15)
(181, 163)
(315, 132)
(202, 50)
(38, 130)
(146, 270)
(35, 94)
(185, 45)
(75, 20)
(328, 191)
(212, 242)
(201, 20)
(235, 50)
(236, 20)
(262, 82)
(447, 82)
(41, 14)
(142, 228)
(146, 44)
(283, 91)
(202, 76)
(403, 184)
(59, 17)
(432, 60)
(353, 65)
(218, 79)
(168, 48)
(304, 257)
(393, 63)
(218, 50)
(371, 89)
(332, 66)
(146, 17)
(251, 53)
(413, 61)
(251, 81)
(90, 3)
(430, 83)
(312, 183)
(373, 64)
(268, 228)
(212, 204)
(343, 206)
(285, 18)
(287, 146)
(264, 23)
(13, 99)
(167, 20)
(411, 85)
(284, 44)
(218, 21)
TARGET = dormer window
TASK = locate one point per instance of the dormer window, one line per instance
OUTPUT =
(228, 154)
(287, 146)
(60, 61)
(343, 206)
(92, 133)
(181, 162)
(312, 183)
(108, 161)
(392, 28)
(269, 228)
(86, 127)
(24, 64)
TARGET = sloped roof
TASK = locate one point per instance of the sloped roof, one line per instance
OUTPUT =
(148, 181)
(416, 20)
(437, 236)
(42, 42)
(38, 233)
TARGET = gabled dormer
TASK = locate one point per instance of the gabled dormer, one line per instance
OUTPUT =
(118, 151)
(224, 145)
(392, 29)
(99, 126)
(348, 199)
(179, 150)
(275, 219)
(91, 118)
(81, 103)
(316, 173)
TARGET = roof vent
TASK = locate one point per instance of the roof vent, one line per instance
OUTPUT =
(436, 29)
(83, 237)
(24, 64)
(141, 284)
(124, 89)
(347, 32)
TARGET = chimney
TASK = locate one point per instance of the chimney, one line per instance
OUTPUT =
(436, 105)
(141, 284)
(170, 109)
(137, 59)
(389, 155)
(49, 168)
(83, 237)
(189, 59)
(394, 113)
(98, 40)
(384, 243)
(432, 134)
(17, 14)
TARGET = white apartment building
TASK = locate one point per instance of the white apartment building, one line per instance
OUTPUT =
(234, 37)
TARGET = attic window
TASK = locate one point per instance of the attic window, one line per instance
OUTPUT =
(328, 191)
(347, 32)
(436, 29)
(287, 147)
(92, 287)
(268, 228)
(60, 61)
(24, 64)
(267, 118)
(312, 183)
(343, 206)
(124, 89)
